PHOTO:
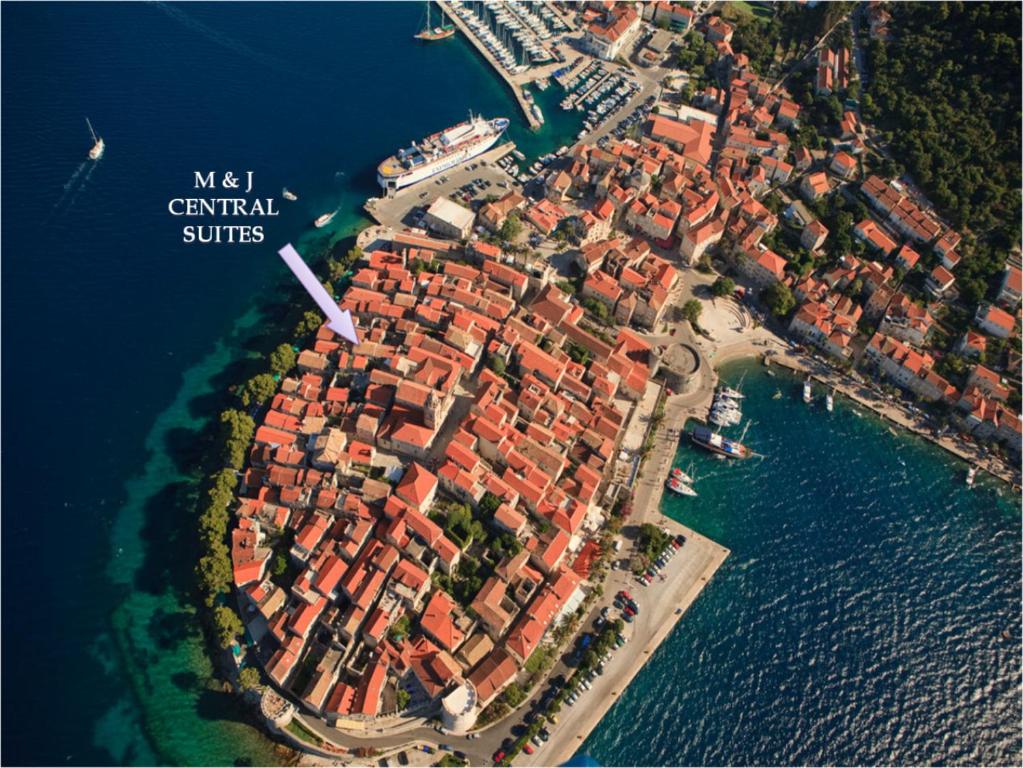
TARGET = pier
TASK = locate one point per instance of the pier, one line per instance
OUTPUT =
(516, 89)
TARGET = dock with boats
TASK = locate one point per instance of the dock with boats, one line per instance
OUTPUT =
(452, 12)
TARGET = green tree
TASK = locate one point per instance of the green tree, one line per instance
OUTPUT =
(513, 695)
(496, 364)
(723, 286)
(779, 299)
(310, 321)
(402, 698)
(279, 564)
(248, 678)
(226, 625)
(258, 389)
(511, 228)
(236, 431)
(213, 571)
(489, 504)
(282, 359)
(691, 311)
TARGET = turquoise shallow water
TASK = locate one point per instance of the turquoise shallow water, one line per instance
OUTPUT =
(859, 618)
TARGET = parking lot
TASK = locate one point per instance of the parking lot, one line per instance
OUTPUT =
(482, 173)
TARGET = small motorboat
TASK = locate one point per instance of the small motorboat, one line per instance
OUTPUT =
(287, 194)
(971, 477)
(829, 402)
(807, 392)
(324, 220)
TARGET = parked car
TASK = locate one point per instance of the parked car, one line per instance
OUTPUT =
(527, 749)
(498, 756)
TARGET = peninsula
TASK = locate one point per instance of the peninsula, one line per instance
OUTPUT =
(448, 536)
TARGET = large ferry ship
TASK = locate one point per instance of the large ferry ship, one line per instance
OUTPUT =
(439, 152)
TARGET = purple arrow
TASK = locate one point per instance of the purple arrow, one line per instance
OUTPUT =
(340, 322)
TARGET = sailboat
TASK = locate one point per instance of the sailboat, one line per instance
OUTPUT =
(97, 143)
(429, 33)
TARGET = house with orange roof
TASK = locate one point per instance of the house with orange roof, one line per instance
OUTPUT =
(493, 607)
(763, 268)
(493, 675)
(908, 368)
(870, 233)
(438, 621)
(939, 281)
(995, 321)
(602, 287)
(1011, 289)
(814, 185)
(418, 487)
(813, 235)
(971, 344)
(905, 320)
(697, 240)
(370, 688)
(843, 165)
(607, 34)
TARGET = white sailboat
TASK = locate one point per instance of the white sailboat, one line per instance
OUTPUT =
(98, 147)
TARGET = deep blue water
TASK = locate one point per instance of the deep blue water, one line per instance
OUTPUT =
(119, 339)
(859, 618)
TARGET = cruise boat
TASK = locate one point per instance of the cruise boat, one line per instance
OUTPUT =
(325, 219)
(807, 392)
(431, 33)
(439, 152)
(719, 444)
(287, 194)
(677, 486)
(98, 147)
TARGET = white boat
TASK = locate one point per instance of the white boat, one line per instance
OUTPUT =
(971, 477)
(807, 392)
(829, 402)
(325, 219)
(98, 146)
(288, 194)
(677, 486)
(730, 393)
(680, 475)
(440, 152)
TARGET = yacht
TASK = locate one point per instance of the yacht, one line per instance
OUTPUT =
(325, 219)
(98, 147)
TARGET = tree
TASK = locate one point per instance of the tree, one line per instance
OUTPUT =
(496, 364)
(402, 698)
(691, 311)
(489, 504)
(279, 565)
(723, 286)
(258, 389)
(248, 678)
(236, 431)
(213, 571)
(282, 359)
(779, 299)
(513, 695)
(310, 320)
(511, 228)
(400, 629)
(226, 625)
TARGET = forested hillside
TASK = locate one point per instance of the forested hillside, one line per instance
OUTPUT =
(946, 90)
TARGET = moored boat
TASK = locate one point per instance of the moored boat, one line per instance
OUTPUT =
(683, 476)
(430, 33)
(971, 477)
(829, 402)
(807, 392)
(677, 486)
(719, 444)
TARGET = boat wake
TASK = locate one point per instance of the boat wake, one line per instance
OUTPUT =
(73, 188)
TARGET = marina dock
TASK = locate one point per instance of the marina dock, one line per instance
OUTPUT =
(516, 89)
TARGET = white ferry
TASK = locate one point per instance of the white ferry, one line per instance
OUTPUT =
(439, 152)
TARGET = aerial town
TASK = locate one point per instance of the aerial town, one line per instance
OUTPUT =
(427, 518)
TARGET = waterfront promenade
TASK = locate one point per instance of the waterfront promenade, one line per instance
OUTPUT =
(662, 605)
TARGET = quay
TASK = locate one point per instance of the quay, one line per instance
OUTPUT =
(516, 89)
(894, 413)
